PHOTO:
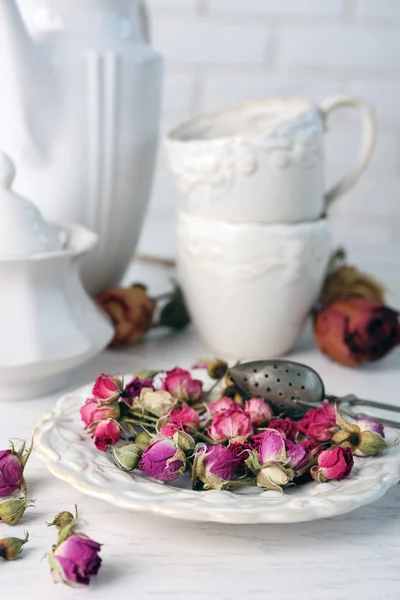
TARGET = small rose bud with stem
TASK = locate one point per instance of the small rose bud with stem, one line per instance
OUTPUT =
(63, 519)
(11, 548)
(13, 509)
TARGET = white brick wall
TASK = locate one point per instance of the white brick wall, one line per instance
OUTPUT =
(222, 52)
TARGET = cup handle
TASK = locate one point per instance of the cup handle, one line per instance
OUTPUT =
(368, 138)
(144, 21)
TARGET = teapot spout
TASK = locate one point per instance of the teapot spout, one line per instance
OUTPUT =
(27, 81)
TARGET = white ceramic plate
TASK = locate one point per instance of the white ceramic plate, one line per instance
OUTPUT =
(70, 454)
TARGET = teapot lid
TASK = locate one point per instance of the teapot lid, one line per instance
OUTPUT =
(23, 230)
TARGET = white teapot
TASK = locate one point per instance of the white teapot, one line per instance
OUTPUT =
(79, 112)
(48, 323)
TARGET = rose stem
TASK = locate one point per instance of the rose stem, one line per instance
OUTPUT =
(233, 484)
(141, 423)
(147, 417)
(201, 436)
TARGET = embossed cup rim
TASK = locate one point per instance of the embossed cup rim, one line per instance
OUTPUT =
(251, 228)
(188, 132)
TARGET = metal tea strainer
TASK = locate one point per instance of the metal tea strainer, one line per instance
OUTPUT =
(292, 388)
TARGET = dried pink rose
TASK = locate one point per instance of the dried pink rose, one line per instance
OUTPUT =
(286, 426)
(108, 388)
(258, 411)
(234, 426)
(163, 461)
(225, 405)
(318, 423)
(311, 446)
(335, 463)
(272, 448)
(75, 560)
(134, 388)
(181, 419)
(10, 473)
(297, 455)
(216, 466)
(182, 386)
(241, 450)
(107, 433)
(92, 413)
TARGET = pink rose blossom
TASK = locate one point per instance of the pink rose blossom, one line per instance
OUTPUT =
(107, 387)
(180, 384)
(286, 426)
(179, 419)
(107, 433)
(233, 426)
(10, 473)
(370, 425)
(318, 422)
(162, 460)
(76, 560)
(92, 413)
(221, 461)
(297, 455)
(241, 451)
(335, 463)
(311, 446)
(225, 405)
(258, 411)
(272, 447)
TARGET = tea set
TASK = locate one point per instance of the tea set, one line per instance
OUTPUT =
(79, 115)
(254, 238)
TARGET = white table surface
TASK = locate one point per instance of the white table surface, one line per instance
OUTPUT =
(149, 557)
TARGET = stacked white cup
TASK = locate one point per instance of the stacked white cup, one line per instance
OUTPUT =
(253, 238)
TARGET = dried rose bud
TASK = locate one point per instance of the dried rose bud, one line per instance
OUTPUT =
(354, 331)
(335, 463)
(62, 520)
(361, 442)
(162, 460)
(184, 441)
(12, 510)
(107, 433)
(286, 426)
(272, 448)
(158, 403)
(216, 368)
(225, 404)
(75, 560)
(259, 412)
(143, 440)
(297, 455)
(183, 419)
(127, 457)
(108, 388)
(319, 423)
(182, 386)
(134, 387)
(10, 472)
(234, 426)
(215, 466)
(274, 476)
(92, 413)
(131, 311)
(10, 547)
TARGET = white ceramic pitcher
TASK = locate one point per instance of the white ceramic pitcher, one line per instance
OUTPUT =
(79, 112)
(262, 162)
